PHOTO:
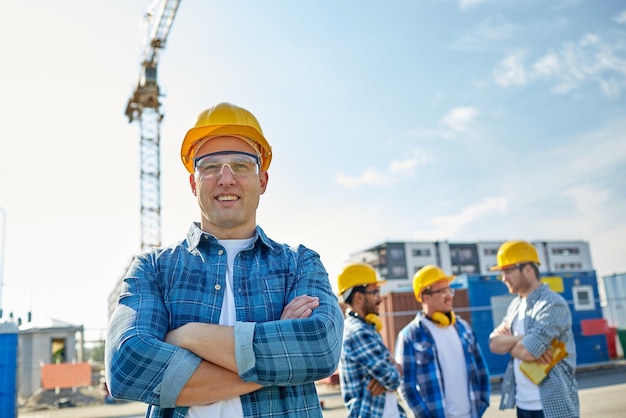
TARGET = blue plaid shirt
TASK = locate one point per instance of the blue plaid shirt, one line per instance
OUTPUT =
(422, 385)
(547, 317)
(167, 288)
(364, 357)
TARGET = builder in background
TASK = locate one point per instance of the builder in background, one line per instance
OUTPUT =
(226, 322)
(368, 374)
(536, 320)
(445, 374)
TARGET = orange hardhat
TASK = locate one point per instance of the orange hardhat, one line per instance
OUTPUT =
(512, 253)
(225, 119)
(425, 277)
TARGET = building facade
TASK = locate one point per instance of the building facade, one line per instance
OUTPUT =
(397, 262)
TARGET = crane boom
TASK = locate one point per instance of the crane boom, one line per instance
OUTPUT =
(144, 106)
(160, 29)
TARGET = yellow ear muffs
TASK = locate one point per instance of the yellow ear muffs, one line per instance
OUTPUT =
(374, 320)
(443, 319)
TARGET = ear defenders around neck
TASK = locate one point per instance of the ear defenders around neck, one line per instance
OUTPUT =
(371, 319)
(374, 320)
(442, 319)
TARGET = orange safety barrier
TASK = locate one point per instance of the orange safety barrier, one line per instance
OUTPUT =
(65, 375)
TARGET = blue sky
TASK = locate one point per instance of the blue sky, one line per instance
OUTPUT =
(402, 120)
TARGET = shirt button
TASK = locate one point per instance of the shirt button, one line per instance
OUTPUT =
(218, 287)
(220, 252)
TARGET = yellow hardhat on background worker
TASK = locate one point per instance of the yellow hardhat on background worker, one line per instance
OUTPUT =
(229, 120)
(512, 253)
(356, 274)
(425, 277)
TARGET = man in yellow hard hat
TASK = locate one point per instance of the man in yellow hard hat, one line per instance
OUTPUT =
(227, 322)
(445, 374)
(535, 320)
(368, 374)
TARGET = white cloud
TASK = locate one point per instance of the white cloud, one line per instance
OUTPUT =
(371, 176)
(488, 33)
(621, 18)
(548, 65)
(466, 4)
(573, 65)
(404, 166)
(397, 170)
(459, 120)
(448, 226)
(510, 71)
(589, 39)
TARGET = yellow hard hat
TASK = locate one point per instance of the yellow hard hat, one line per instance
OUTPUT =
(515, 252)
(425, 277)
(226, 119)
(357, 274)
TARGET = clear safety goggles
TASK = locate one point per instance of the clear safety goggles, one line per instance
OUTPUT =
(445, 291)
(241, 164)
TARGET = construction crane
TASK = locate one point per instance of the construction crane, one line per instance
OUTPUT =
(144, 106)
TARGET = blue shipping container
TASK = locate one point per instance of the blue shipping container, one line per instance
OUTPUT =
(489, 297)
(8, 369)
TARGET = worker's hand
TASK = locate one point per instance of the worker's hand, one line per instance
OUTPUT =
(545, 358)
(398, 366)
(375, 388)
(502, 329)
(301, 307)
(519, 351)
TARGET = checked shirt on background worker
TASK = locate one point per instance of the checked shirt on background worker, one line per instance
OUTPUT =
(537, 332)
(226, 322)
(445, 374)
(368, 374)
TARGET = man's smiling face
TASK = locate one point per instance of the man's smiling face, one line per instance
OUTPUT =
(228, 203)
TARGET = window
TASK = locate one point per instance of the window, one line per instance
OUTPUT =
(463, 268)
(499, 306)
(461, 253)
(398, 271)
(490, 251)
(58, 350)
(421, 252)
(467, 268)
(568, 266)
(565, 250)
(396, 253)
(583, 298)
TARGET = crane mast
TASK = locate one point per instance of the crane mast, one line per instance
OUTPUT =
(144, 106)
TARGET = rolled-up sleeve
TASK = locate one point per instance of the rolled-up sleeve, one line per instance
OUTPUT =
(139, 365)
(550, 321)
(294, 351)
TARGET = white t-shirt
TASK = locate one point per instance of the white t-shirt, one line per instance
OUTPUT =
(453, 370)
(391, 406)
(526, 392)
(229, 408)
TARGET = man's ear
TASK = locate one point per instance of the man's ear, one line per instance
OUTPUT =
(358, 297)
(264, 178)
(192, 183)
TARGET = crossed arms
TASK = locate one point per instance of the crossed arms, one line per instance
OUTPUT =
(502, 341)
(159, 353)
(215, 344)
